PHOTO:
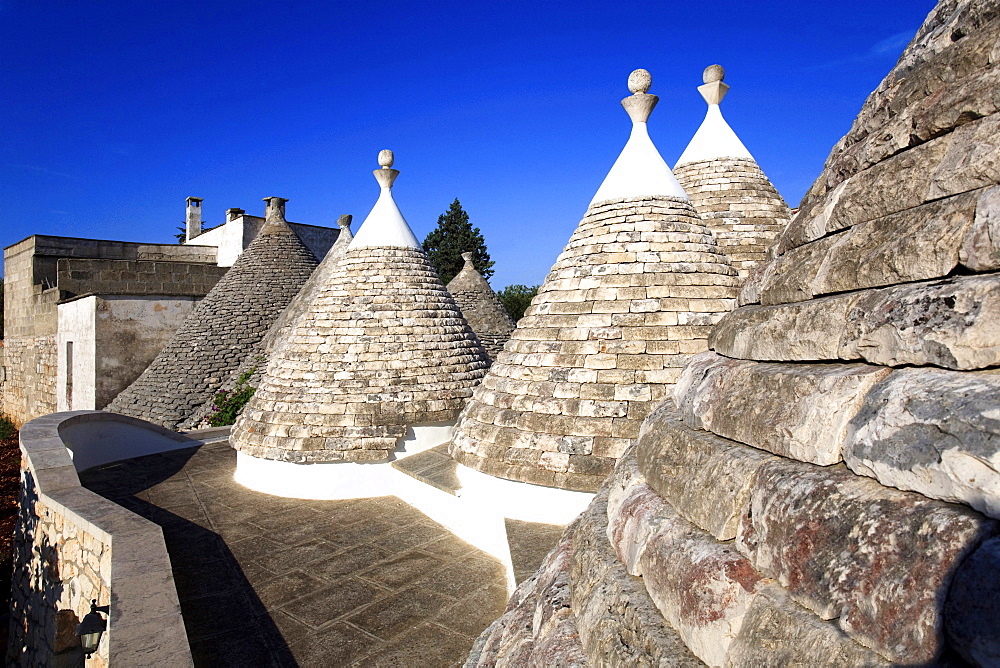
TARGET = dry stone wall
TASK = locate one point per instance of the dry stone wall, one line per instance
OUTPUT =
(738, 203)
(382, 347)
(223, 330)
(632, 296)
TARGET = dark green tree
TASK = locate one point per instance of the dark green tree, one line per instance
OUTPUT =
(453, 236)
(517, 298)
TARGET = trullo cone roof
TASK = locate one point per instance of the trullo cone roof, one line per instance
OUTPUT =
(381, 347)
(633, 294)
(727, 187)
(224, 328)
(481, 307)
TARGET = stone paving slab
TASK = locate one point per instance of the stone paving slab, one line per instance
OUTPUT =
(269, 581)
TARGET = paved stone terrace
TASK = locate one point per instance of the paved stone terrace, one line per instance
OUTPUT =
(264, 580)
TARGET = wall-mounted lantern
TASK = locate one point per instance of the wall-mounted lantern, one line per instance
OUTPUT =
(93, 627)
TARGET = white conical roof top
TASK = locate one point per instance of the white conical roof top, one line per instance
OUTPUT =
(385, 225)
(714, 139)
(639, 171)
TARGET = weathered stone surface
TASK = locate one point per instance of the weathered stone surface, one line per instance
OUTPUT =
(704, 477)
(538, 627)
(799, 411)
(701, 586)
(949, 323)
(778, 632)
(618, 623)
(973, 606)
(844, 546)
(630, 526)
(932, 431)
(917, 244)
(980, 249)
(738, 203)
(633, 294)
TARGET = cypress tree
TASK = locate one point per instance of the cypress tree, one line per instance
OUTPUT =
(453, 236)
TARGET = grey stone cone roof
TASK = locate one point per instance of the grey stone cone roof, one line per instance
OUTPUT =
(738, 203)
(482, 308)
(383, 346)
(254, 363)
(222, 331)
(632, 296)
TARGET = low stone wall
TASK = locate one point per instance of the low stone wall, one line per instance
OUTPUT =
(29, 388)
(72, 546)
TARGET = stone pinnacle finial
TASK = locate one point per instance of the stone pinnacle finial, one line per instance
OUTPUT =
(714, 89)
(274, 212)
(386, 175)
(385, 158)
(345, 221)
(713, 73)
(639, 81)
(640, 104)
(468, 260)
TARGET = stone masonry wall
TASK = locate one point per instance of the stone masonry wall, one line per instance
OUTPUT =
(76, 276)
(738, 203)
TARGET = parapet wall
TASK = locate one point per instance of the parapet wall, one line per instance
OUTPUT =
(77, 276)
(72, 546)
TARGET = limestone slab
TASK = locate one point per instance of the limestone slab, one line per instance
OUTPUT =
(845, 547)
(799, 411)
(980, 249)
(949, 323)
(932, 431)
(779, 632)
(704, 477)
(701, 586)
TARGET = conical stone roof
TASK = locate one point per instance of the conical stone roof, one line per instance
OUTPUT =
(252, 367)
(382, 347)
(632, 296)
(481, 307)
(224, 328)
(726, 185)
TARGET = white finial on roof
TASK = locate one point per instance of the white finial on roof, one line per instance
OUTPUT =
(385, 225)
(714, 139)
(639, 170)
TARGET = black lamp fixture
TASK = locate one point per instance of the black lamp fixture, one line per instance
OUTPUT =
(93, 627)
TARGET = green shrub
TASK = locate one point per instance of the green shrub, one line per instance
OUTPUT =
(226, 406)
(7, 428)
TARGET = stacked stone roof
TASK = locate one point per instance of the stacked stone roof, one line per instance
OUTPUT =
(224, 327)
(632, 296)
(824, 488)
(726, 185)
(382, 347)
(481, 307)
(251, 370)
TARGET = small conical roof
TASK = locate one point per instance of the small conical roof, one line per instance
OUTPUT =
(714, 138)
(639, 171)
(633, 294)
(252, 368)
(727, 187)
(225, 327)
(481, 307)
(381, 347)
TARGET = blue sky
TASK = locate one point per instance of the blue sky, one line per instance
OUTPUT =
(113, 112)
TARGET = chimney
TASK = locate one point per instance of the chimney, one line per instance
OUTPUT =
(192, 226)
(233, 214)
(274, 212)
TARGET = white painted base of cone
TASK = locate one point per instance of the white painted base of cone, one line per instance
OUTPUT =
(476, 514)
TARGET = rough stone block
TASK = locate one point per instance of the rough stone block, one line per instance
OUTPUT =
(980, 249)
(778, 632)
(799, 411)
(702, 587)
(845, 547)
(704, 477)
(932, 431)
